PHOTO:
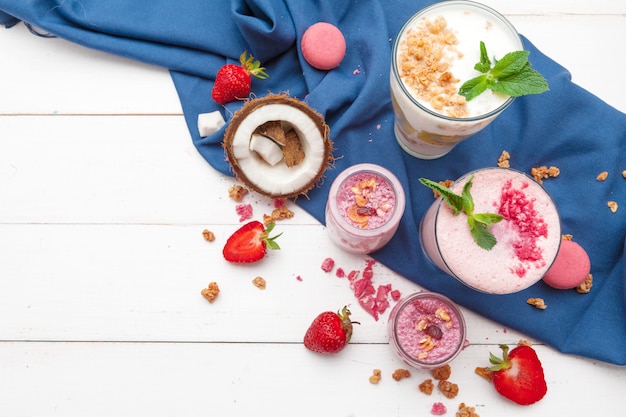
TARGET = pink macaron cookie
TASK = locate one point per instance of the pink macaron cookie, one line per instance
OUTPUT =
(323, 46)
(570, 268)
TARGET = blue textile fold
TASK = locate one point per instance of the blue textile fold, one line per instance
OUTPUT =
(566, 127)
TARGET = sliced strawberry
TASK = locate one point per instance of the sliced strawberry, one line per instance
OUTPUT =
(518, 376)
(330, 332)
(249, 243)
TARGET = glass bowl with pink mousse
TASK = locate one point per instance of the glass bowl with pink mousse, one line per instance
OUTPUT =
(365, 205)
(426, 330)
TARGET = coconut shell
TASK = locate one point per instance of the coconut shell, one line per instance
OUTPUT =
(306, 177)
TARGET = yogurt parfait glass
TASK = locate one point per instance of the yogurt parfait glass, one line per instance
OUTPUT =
(527, 238)
(426, 330)
(365, 205)
(433, 55)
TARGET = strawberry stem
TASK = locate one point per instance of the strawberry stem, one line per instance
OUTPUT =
(270, 242)
(252, 67)
(500, 363)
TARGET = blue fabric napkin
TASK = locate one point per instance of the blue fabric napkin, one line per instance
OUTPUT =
(566, 127)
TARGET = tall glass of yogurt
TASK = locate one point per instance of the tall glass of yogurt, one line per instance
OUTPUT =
(528, 237)
(433, 55)
(364, 208)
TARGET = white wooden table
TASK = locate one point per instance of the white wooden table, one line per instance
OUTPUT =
(103, 200)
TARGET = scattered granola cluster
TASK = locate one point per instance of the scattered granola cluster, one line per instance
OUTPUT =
(586, 285)
(441, 374)
(425, 56)
(376, 376)
(504, 160)
(399, 374)
(211, 292)
(537, 303)
(466, 411)
(260, 283)
(280, 213)
(237, 192)
(208, 235)
(543, 172)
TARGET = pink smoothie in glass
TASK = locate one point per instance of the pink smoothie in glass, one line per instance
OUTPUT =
(365, 205)
(528, 237)
(426, 330)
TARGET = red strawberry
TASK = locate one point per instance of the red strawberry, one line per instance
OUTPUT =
(249, 243)
(518, 376)
(330, 332)
(233, 81)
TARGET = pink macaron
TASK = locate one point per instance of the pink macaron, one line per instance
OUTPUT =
(323, 46)
(570, 268)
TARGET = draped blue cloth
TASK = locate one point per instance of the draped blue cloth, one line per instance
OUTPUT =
(566, 127)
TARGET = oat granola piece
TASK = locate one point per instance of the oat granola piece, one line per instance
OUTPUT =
(465, 411)
(504, 159)
(567, 237)
(427, 386)
(624, 173)
(586, 285)
(441, 373)
(237, 192)
(280, 213)
(259, 282)
(448, 389)
(445, 183)
(483, 372)
(399, 374)
(612, 206)
(543, 172)
(376, 376)
(537, 303)
(602, 176)
(211, 292)
(208, 235)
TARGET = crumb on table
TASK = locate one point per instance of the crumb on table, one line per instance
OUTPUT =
(376, 376)
(442, 372)
(426, 387)
(237, 192)
(466, 411)
(208, 235)
(211, 292)
(448, 389)
(260, 283)
(399, 374)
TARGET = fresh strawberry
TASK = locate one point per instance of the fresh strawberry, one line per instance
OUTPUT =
(233, 81)
(518, 376)
(330, 332)
(249, 243)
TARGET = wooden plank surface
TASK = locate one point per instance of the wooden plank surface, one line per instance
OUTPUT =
(103, 200)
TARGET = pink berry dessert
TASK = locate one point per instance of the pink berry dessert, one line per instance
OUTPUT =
(426, 330)
(364, 208)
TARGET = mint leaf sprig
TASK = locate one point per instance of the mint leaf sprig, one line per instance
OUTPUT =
(479, 223)
(512, 75)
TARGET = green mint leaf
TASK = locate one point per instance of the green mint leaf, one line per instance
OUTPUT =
(512, 63)
(485, 63)
(512, 75)
(478, 223)
(474, 87)
(454, 201)
(481, 235)
(468, 201)
(526, 82)
(488, 218)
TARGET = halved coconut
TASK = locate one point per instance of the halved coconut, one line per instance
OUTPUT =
(304, 144)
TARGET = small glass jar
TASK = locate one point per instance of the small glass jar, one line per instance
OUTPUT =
(365, 205)
(426, 330)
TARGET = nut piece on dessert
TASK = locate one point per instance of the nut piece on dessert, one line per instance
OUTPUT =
(278, 146)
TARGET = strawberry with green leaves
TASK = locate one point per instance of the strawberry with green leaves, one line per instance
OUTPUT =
(250, 242)
(518, 375)
(330, 332)
(234, 81)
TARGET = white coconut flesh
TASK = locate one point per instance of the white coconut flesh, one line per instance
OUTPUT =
(279, 179)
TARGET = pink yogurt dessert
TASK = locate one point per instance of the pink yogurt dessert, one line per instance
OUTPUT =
(426, 330)
(528, 237)
(364, 208)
